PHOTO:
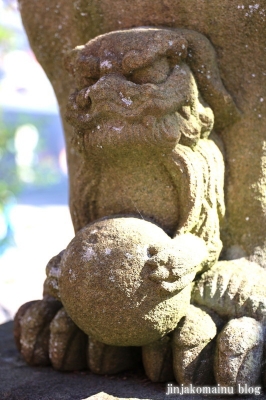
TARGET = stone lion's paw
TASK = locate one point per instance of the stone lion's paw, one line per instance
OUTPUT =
(239, 352)
(67, 344)
(33, 330)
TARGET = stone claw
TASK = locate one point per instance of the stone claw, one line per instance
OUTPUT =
(239, 353)
(67, 344)
(33, 330)
(45, 335)
(50, 287)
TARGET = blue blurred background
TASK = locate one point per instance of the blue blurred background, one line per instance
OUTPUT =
(34, 217)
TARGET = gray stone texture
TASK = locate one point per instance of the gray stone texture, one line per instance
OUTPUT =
(236, 30)
(157, 360)
(22, 382)
(233, 289)
(239, 351)
(111, 291)
(193, 348)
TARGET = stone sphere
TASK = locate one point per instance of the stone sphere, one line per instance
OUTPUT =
(105, 283)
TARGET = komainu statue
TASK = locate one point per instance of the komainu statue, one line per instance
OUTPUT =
(141, 279)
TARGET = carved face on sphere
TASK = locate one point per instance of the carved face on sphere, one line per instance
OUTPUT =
(124, 281)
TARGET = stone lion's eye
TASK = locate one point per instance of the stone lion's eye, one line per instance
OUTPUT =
(91, 81)
(155, 73)
(85, 81)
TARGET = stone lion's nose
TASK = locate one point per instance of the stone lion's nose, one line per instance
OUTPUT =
(159, 274)
(83, 99)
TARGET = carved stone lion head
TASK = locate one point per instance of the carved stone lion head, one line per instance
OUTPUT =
(146, 85)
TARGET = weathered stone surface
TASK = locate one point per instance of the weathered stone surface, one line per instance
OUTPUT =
(17, 322)
(22, 382)
(104, 359)
(108, 287)
(219, 321)
(233, 289)
(140, 95)
(143, 104)
(193, 348)
(35, 331)
(232, 28)
(238, 358)
(50, 287)
(67, 344)
(157, 360)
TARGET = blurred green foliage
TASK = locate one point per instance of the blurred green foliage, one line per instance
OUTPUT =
(7, 40)
(9, 182)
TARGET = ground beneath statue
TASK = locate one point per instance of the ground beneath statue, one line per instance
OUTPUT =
(20, 382)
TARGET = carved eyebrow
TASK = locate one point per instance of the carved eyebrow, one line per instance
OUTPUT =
(135, 59)
(80, 63)
(88, 65)
(172, 46)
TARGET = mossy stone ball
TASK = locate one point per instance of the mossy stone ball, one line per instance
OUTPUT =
(105, 288)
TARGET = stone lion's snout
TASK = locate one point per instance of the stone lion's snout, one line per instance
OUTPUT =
(111, 95)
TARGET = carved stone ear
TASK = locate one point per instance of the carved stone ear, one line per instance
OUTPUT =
(202, 60)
